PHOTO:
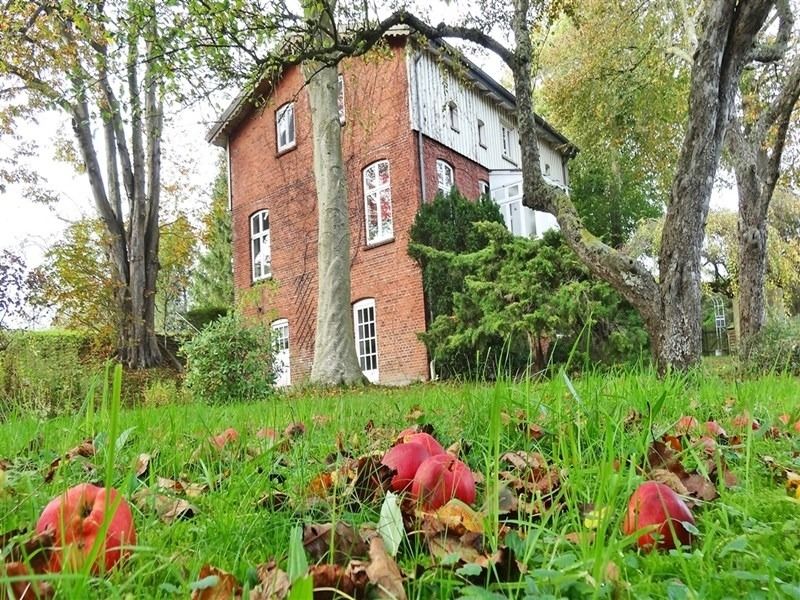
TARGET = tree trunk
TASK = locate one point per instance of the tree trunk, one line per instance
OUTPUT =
(671, 307)
(335, 359)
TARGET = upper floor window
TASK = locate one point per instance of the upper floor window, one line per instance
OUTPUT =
(340, 99)
(260, 253)
(452, 112)
(509, 148)
(284, 126)
(547, 169)
(444, 177)
(378, 202)
(483, 186)
(481, 133)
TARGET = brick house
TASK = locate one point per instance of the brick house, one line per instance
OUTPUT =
(410, 127)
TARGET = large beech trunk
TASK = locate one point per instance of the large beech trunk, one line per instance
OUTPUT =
(335, 359)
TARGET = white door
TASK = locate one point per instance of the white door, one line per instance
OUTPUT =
(280, 341)
(366, 338)
(510, 200)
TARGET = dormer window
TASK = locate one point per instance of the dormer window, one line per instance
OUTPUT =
(284, 127)
(452, 111)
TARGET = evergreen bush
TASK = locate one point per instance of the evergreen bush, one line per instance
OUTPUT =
(776, 348)
(230, 360)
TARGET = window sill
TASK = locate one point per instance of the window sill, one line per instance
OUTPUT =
(286, 150)
(379, 243)
(482, 145)
(456, 129)
(254, 282)
(509, 160)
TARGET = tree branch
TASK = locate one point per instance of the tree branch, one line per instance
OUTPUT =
(774, 51)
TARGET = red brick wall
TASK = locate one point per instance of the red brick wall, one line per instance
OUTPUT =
(378, 127)
(467, 174)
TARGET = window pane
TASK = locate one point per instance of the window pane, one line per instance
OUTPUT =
(372, 217)
(383, 172)
(369, 178)
(386, 212)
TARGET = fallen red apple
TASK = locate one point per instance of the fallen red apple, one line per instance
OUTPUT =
(426, 439)
(715, 429)
(440, 478)
(655, 509)
(229, 435)
(784, 418)
(797, 427)
(76, 518)
(686, 424)
(744, 420)
(405, 459)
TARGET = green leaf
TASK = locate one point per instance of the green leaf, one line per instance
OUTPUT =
(390, 524)
(470, 570)
(298, 564)
(738, 544)
(302, 589)
(204, 583)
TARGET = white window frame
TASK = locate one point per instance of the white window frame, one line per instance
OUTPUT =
(261, 259)
(280, 343)
(445, 176)
(366, 337)
(381, 193)
(285, 127)
(481, 134)
(507, 133)
(483, 188)
(452, 115)
(340, 100)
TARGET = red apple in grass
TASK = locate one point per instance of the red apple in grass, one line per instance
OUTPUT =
(426, 439)
(441, 478)
(655, 508)
(405, 459)
(75, 520)
(219, 441)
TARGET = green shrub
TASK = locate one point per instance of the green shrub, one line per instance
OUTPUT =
(776, 348)
(230, 360)
(200, 317)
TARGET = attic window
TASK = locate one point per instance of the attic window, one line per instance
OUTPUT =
(547, 169)
(481, 133)
(452, 111)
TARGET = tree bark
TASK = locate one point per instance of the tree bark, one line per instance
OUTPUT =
(335, 359)
(756, 152)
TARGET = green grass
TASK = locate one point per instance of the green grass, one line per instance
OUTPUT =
(748, 547)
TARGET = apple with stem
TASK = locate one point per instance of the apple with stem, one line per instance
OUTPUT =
(660, 517)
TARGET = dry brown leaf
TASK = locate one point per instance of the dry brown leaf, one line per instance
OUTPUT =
(345, 541)
(351, 580)
(30, 548)
(168, 508)
(273, 583)
(320, 420)
(85, 449)
(142, 466)
(294, 430)
(455, 518)
(669, 479)
(468, 548)
(383, 572)
(226, 587)
(415, 414)
(700, 487)
(22, 589)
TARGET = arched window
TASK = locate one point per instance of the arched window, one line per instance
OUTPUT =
(364, 325)
(444, 176)
(378, 202)
(260, 253)
(280, 345)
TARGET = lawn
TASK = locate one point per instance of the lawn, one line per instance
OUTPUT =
(594, 431)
